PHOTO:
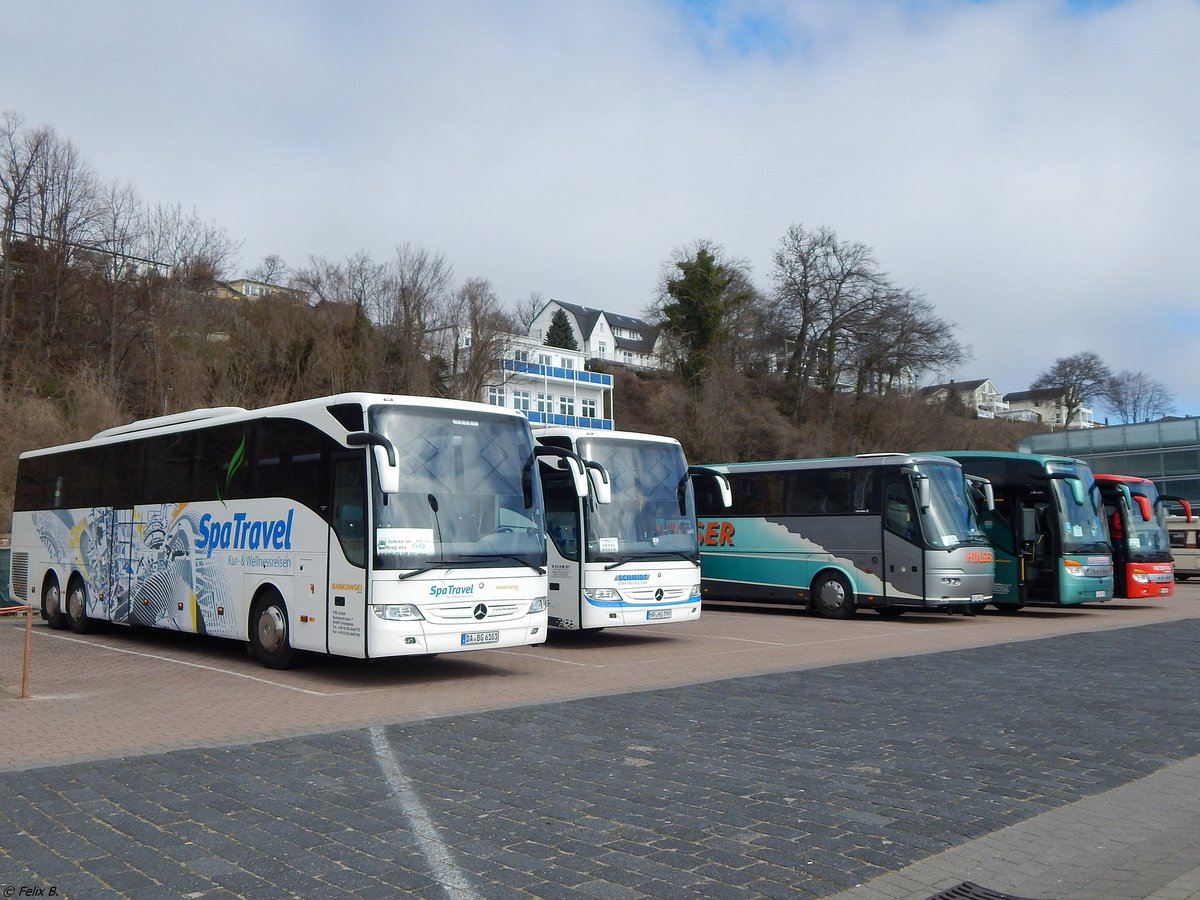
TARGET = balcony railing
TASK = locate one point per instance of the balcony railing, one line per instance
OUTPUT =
(581, 375)
(576, 421)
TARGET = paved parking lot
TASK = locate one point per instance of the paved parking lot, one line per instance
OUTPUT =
(781, 755)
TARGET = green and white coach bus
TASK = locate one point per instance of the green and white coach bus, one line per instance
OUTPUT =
(1047, 528)
(889, 532)
(626, 554)
(357, 525)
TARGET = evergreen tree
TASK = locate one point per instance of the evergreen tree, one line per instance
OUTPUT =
(560, 334)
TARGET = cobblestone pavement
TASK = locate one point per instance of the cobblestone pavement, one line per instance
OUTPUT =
(1028, 755)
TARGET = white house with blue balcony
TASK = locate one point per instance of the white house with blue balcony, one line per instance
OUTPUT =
(605, 336)
(551, 385)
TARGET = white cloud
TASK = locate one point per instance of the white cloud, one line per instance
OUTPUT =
(1030, 170)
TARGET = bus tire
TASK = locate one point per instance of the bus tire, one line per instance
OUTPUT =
(270, 640)
(52, 613)
(76, 609)
(832, 597)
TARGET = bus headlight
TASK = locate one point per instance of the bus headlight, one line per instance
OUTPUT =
(603, 594)
(398, 612)
(538, 605)
(1141, 577)
(951, 581)
(1074, 567)
(694, 594)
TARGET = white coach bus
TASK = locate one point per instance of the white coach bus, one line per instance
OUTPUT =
(356, 525)
(627, 553)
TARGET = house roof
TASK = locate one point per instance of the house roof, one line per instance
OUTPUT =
(1052, 393)
(586, 318)
(954, 386)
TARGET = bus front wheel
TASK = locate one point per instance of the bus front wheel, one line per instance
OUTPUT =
(76, 612)
(832, 597)
(270, 640)
(52, 613)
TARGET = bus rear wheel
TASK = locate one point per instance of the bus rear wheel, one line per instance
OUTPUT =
(832, 597)
(76, 610)
(52, 613)
(270, 640)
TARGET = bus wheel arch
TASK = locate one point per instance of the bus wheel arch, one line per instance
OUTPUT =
(52, 610)
(75, 607)
(831, 595)
(270, 633)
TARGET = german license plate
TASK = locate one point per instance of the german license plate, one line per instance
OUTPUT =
(479, 637)
(658, 614)
(1101, 594)
(977, 598)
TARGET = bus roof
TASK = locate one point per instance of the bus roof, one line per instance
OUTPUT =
(600, 433)
(1124, 479)
(300, 409)
(863, 460)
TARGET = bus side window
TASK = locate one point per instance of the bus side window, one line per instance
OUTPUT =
(349, 509)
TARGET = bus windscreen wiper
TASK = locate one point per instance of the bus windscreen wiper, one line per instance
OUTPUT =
(511, 556)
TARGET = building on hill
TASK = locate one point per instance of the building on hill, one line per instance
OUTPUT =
(980, 396)
(551, 385)
(604, 336)
(1048, 405)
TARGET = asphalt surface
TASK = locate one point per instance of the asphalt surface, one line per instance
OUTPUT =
(1044, 765)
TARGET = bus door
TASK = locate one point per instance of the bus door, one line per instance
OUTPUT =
(119, 570)
(563, 549)
(903, 556)
(1041, 546)
(998, 526)
(346, 591)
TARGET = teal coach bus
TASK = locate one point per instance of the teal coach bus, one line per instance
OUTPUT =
(1047, 528)
(889, 532)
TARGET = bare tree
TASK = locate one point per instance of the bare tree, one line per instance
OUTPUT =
(1081, 378)
(272, 270)
(527, 310)
(474, 339)
(822, 287)
(421, 288)
(1136, 397)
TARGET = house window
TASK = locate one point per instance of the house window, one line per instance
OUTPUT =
(568, 363)
(603, 349)
(545, 403)
(521, 356)
(587, 408)
(521, 400)
(566, 406)
(544, 359)
(628, 358)
(495, 395)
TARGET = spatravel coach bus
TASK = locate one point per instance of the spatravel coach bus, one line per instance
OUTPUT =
(1143, 565)
(1047, 528)
(356, 525)
(889, 532)
(627, 553)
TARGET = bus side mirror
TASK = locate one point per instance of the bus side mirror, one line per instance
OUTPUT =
(574, 463)
(1164, 499)
(599, 483)
(722, 482)
(385, 458)
(984, 488)
(1143, 505)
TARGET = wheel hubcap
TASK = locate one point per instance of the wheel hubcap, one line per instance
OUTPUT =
(50, 602)
(832, 595)
(271, 629)
(75, 604)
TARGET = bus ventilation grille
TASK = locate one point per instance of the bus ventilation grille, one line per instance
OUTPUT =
(968, 890)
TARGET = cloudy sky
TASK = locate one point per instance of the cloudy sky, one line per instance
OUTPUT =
(1031, 167)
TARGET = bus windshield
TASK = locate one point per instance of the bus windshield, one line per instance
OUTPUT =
(463, 500)
(950, 520)
(1083, 528)
(644, 519)
(1147, 540)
